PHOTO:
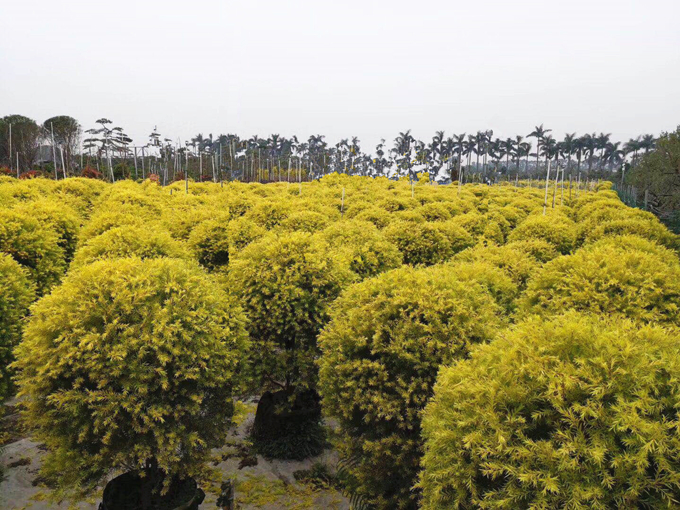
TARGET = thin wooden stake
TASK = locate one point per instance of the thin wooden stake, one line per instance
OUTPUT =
(342, 204)
(547, 178)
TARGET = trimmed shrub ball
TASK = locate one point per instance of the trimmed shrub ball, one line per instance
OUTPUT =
(16, 294)
(286, 284)
(518, 259)
(494, 279)
(572, 412)
(608, 278)
(380, 356)
(425, 244)
(554, 228)
(650, 228)
(241, 232)
(128, 241)
(130, 364)
(368, 251)
(209, 242)
(34, 247)
(59, 218)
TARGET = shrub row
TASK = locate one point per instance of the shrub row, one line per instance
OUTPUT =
(363, 299)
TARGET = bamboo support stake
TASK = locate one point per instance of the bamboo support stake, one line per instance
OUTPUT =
(108, 155)
(342, 204)
(63, 166)
(557, 179)
(547, 182)
(54, 153)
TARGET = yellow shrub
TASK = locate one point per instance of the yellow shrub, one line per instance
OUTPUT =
(128, 363)
(608, 278)
(571, 412)
(380, 356)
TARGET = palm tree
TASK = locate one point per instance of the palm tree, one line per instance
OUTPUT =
(470, 147)
(648, 143)
(589, 147)
(526, 151)
(549, 147)
(486, 146)
(517, 150)
(459, 145)
(633, 145)
(615, 156)
(601, 142)
(568, 147)
(478, 144)
(539, 133)
(402, 145)
(508, 147)
(496, 152)
(437, 153)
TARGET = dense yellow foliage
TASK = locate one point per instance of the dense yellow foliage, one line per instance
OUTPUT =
(370, 284)
(570, 412)
(16, 294)
(129, 361)
(381, 353)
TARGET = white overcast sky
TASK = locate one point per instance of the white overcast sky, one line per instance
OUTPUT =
(368, 68)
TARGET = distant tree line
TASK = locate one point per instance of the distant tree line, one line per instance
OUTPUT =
(655, 179)
(59, 147)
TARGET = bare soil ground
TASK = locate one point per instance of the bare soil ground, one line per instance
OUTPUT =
(260, 483)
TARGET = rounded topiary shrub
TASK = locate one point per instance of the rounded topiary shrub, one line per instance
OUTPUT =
(380, 356)
(104, 220)
(130, 364)
(379, 217)
(286, 284)
(472, 222)
(515, 259)
(180, 219)
(129, 197)
(79, 192)
(34, 247)
(435, 211)
(637, 243)
(269, 213)
(573, 412)
(242, 232)
(608, 278)
(494, 279)
(209, 242)
(648, 228)
(421, 243)
(368, 251)
(128, 241)
(541, 250)
(59, 218)
(554, 228)
(458, 237)
(409, 215)
(305, 221)
(16, 294)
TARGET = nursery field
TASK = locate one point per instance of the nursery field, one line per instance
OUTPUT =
(399, 345)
